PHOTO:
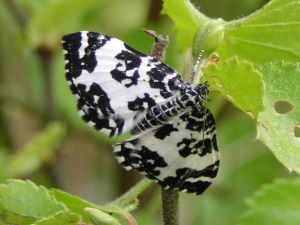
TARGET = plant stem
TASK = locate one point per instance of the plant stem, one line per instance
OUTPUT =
(170, 198)
(160, 45)
(170, 202)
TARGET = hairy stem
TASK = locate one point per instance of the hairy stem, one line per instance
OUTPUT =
(170, 202)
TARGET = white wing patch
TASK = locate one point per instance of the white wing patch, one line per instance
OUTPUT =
(119, 89)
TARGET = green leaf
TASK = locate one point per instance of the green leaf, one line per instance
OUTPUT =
(279, 123)
(74, 203)
(36, 152)
(274, 204)
(60, 218)
(25, 199)
(187, 20)
(270, 34)
(239, 82)
(120, 206)
(100, 214)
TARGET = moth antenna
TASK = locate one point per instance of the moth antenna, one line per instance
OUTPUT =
(197, 65)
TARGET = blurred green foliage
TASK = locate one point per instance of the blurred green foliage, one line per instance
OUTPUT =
(43, 139)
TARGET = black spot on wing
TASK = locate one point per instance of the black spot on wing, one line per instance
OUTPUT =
(186, 147)
(105, 123)
(151, 161)
(164, 131)
(127, 69)
(189, 146)
(214, 141)
(95, 105)
(140, 158)
(95, 97)
(157, 79)
(141, 103)
(194, 119)
(75, 64)
(198, 186)
(199, 120)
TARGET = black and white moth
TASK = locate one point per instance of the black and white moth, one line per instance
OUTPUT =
(119, 89)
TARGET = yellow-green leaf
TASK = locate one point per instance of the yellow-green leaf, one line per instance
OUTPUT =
(239, 82)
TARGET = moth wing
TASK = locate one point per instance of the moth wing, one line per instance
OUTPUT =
(112, 82)
(181, 154)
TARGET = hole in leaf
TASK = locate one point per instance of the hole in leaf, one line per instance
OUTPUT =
(297, 131)
(283, 107)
